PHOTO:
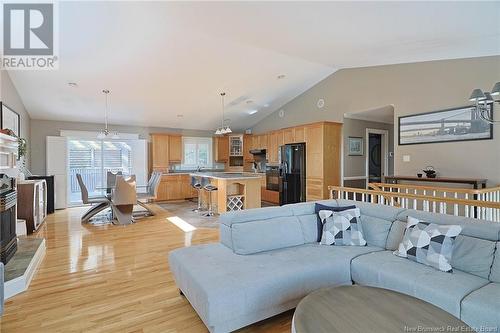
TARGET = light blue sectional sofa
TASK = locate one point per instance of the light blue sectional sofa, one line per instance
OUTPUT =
(268, 260)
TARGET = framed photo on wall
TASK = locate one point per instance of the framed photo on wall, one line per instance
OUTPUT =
(9, 119)
(457, 124)
(355, 146)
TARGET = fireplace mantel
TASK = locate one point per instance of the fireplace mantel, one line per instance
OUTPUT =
(8, 152)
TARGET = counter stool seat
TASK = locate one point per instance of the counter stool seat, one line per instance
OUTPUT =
(197, 183)
(210, 188)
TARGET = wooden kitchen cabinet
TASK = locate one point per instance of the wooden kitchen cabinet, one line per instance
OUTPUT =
(247, 146)
(323, 142)
(314, 151)
(280, 138)
(288, 136)
(160, 152)
(175, 187)
(222, 151)
(299, 134)
(188, 191)
(272, 147)
(175, 148)
(263, 141)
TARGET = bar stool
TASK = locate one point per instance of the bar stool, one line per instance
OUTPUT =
(209, 188)
(196, 183)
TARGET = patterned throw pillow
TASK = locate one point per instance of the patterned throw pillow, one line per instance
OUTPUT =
(341, 228)
(429, 243)
(318, 207)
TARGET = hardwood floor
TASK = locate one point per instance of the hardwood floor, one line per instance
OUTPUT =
(105, 278)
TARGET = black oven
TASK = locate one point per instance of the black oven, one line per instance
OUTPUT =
(272, 178)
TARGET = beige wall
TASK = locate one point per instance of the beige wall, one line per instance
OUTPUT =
(9, 96)
(40, 129)
(355, 166)
(410, 88)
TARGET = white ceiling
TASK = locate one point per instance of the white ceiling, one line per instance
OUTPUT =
(161, 60)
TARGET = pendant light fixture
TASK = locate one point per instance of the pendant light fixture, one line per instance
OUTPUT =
(483, 103)
(105, 133)
(223, 129)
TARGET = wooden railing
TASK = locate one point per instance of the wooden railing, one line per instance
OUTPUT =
(470, 207)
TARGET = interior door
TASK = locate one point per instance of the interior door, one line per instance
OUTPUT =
(57, 165)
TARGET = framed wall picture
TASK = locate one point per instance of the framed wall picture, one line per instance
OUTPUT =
(457, 124)
(355, 146)
(10, 119)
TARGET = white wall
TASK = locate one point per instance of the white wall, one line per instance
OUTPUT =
(9, 96)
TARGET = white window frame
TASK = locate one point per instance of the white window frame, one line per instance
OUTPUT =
(197, 141)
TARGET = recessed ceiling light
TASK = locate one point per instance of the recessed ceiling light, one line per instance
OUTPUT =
(253, 111)
(72, 84)
(281, 76)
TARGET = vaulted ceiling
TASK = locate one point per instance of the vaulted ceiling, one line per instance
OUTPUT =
(166, 63)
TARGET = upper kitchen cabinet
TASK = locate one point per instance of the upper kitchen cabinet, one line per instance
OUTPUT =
(288, 135)
(222, 149)
(236, 145)
(175, 149)
(272, 146)
(160, 152)
(263, 141)
(247, 146)
(299, 134)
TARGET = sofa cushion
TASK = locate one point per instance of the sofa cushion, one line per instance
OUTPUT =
(428, 243)
(481, 308)
(395, 235)
(473, 255)
(385, 270)
(375, 230)
(341, 228)
(495, 268)
(304, 211)
(265, 235)
(222, 285)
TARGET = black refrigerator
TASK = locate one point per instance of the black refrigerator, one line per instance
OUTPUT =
(292, 179)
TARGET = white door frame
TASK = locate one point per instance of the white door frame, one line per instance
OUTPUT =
(385, 151)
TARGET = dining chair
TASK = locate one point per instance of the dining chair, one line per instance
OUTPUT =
(151, 192)
(111, 180)
(123, 199)
(98, 203)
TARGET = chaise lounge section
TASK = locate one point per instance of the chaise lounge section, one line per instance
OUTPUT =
(268, 259)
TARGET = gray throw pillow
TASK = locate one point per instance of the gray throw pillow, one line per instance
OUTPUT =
(341, 228)
(429, 243)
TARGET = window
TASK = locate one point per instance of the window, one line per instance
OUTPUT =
(197, 151)
(92, 159)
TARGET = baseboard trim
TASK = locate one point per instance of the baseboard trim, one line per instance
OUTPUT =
(20, 284)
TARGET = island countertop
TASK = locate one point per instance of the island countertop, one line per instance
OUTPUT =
(227, 175)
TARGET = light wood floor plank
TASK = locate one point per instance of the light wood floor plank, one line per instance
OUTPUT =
(105, 278)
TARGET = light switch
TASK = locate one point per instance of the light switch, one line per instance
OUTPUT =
(406, 158)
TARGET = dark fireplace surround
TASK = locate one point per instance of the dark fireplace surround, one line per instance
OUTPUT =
(8, 201)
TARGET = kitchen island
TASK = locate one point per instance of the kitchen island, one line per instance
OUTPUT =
(235, 190)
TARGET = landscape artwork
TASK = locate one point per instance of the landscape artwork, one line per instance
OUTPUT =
(458, 124)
